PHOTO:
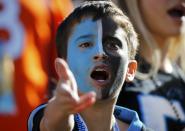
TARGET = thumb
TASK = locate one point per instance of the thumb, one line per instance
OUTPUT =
(61, 68)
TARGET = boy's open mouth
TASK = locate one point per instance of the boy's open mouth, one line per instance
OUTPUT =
(100, 75)
(177, 12)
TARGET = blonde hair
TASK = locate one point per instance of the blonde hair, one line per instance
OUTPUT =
(177, 48)
(133, 12)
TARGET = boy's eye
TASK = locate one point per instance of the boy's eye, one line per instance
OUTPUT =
(112, 44)
(85, 45)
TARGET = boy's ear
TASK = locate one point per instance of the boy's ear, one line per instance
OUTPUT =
(131, 71)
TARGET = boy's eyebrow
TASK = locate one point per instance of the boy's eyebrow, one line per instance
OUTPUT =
(85, 36)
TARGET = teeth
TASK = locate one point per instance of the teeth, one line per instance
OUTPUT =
(100, 70)
(101, 80)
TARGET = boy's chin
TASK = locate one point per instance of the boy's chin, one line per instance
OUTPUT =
(100, 97)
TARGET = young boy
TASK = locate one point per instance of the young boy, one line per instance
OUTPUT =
(99, 44)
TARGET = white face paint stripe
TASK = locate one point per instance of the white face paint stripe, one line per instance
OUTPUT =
(100, 36)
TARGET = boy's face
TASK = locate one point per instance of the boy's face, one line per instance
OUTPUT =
(97, 54)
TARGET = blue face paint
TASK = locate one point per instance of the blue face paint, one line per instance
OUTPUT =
(89, 39)
(80, 57)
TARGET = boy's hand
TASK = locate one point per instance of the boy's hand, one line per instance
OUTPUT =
(66, 101)
(67, 92)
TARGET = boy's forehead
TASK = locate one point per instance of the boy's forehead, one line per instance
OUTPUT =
(86, 30)
(86, 26)
(89, 26)
(111, 26)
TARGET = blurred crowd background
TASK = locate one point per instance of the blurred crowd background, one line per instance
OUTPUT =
(27, 53)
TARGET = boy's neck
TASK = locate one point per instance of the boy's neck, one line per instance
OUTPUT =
(101, 112)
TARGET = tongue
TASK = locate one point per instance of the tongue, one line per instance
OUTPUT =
(100, 78)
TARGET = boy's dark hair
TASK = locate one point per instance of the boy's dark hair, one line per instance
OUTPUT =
(96, 10)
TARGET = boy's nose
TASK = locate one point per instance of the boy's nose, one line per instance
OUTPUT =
(100, 56)
(99, 53)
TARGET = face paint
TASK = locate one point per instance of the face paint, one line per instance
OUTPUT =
(115, 46)
(84, 43)
(87, 44)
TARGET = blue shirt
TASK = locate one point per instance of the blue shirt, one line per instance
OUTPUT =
(121, 113)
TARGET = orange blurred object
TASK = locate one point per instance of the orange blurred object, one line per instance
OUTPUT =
(33, 61)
